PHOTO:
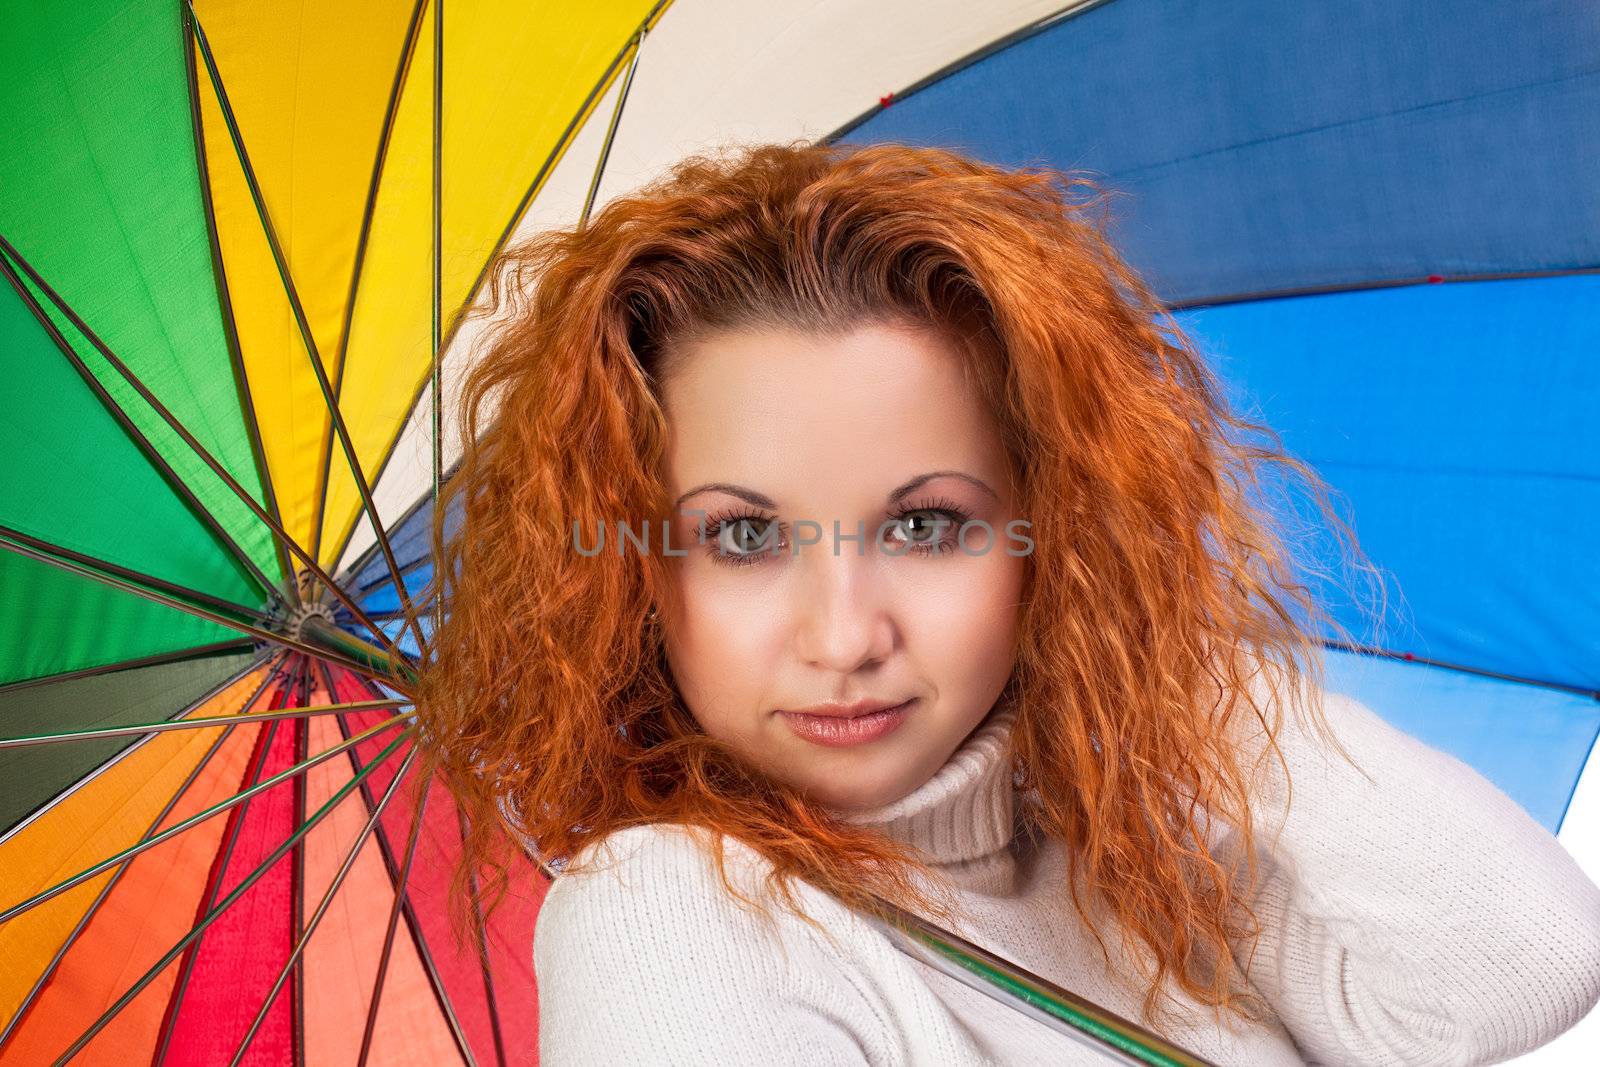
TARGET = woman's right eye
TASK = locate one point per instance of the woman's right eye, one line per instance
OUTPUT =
(742, 540)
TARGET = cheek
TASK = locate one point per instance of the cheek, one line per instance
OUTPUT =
(722, 644)
(966, 622)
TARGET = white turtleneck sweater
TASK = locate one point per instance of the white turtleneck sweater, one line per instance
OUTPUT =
(1421, 917)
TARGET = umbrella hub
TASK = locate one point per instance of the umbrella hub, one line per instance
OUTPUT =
(299, 616)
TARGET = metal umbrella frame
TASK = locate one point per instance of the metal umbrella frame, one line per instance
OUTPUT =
(295, 680)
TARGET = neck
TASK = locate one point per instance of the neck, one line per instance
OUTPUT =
(965, 810)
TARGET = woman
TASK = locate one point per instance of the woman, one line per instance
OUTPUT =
(854, 526)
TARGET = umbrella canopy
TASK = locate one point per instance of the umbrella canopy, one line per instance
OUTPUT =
(235, 239)
(228, 260)
(1383, 223)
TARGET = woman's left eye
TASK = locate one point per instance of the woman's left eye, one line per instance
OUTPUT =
(931, 531)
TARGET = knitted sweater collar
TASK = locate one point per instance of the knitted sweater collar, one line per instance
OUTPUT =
(965, 810)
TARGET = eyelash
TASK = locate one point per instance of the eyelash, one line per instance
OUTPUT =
(716, 523)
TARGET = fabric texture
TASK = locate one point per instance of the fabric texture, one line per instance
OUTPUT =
(1411, 913)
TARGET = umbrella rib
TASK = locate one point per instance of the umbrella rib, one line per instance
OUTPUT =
(611, 130)
(161, 585)
(1482, 672)
(560, 149)
(1033, 995)
(544, 868)
(230, 326)
(436, 449)
(177, 828)
(413, 925)
(565, 142)
(1071, 10)
(483, 950)
(1082, 6)
(301, 322)
(322, 907)
(228, 901)
(407, 50)
(406, 570)
(386, 616)
(179, 656)
(117, 758)
(361, 562)
(394, 922)
(258, 757)
(169, 725)
(297, 884)
(1219, 299)
(189, 439)
(7, 543)
(137, 437)
(111, 883)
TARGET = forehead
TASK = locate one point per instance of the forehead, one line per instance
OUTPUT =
(806, 417)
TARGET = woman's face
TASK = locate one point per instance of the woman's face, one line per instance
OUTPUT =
(873, 429)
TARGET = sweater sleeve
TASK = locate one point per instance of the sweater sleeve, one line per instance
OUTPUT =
(1414, 913)
(651, 961)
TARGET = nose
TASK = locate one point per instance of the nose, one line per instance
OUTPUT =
(843, 622)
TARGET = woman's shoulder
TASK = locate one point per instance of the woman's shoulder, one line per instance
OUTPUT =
(657, 857)
(646, 910)
(666, 877)
(631, 849)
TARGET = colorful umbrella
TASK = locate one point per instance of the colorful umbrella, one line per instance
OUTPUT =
(235, 237)
(1382, 221)
(228, 260)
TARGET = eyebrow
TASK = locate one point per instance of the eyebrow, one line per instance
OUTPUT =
(761, 500)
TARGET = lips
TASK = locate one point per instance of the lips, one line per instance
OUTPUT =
(839, 710)
(839, 730)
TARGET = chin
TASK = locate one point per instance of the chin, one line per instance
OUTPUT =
(861, 798)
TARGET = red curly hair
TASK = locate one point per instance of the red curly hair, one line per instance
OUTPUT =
(1155, 591)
